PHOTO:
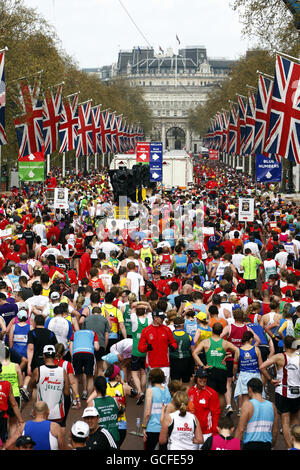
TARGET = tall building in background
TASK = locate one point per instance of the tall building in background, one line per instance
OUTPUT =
(173, 84)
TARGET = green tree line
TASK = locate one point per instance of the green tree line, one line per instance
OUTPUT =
(33, 45)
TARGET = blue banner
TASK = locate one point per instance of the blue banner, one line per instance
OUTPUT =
(156, 162)
(268, 169)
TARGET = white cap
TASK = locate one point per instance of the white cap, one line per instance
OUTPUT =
(90, 411)
(54, 295)
(80, 429)
(49, 349)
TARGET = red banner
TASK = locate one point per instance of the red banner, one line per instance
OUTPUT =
(213, 154)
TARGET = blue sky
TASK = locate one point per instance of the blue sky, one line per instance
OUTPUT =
(93, 31)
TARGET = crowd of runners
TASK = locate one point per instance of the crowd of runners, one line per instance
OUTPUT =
(182, 308)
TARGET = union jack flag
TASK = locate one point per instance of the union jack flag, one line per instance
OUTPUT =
(96, 118)
(84, 142)
(3, 138)
(218, 131)
(284, 126)
(120, 133)
(126, 136)
(106, 131)
(51, 118)
(113, 133)
(262, 112)
(140, 134)
(232, 131)
(68, 124)
(250, 125)
(132, 137)
(29, 125)
(242, 110)
(225, 124)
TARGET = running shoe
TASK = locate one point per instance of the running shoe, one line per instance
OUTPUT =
(228, 410)
(84, 395)
(76, 405)
(24, 394)
(140, 399)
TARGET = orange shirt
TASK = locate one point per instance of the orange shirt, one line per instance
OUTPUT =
(97, 284)
(212, 321)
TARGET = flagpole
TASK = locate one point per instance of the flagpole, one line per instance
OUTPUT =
(1, 168)
(96, 161)
(54, 86)
(27, 76)
(73, 94)
(48, 164)
(288, 56)
(265, 75)
(64, 165)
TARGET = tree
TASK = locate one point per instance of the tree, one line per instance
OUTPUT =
(270, 23)
(33, 46)
(243, 73)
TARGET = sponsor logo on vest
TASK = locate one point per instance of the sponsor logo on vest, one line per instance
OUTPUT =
(185, 428)
(50, 382)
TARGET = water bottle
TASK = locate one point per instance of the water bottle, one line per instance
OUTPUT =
(138, 425)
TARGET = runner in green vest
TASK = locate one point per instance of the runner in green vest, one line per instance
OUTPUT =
(13, 374)
(127, 320)
(140, 319)
(107, 407)
(181, 358)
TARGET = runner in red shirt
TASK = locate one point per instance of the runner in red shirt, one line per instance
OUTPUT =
(205, 404)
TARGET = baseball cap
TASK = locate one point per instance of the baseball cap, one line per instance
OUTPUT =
(24, 440)
(22, 314)
(49, 350)
(90, 411)
(201, 316)
(80, 429)
(45, 242)
(159, 314)
(169, 275)
(54, 295)
(200, 373)
(145, 244)
(110, 358)
(296, 344)
(207, 285)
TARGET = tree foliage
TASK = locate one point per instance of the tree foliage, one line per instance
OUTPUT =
(33, 46)
(243, 73)
(270, 24)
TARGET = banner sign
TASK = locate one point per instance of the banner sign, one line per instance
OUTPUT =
(143, 152)
(61, 198)
(213, 154)
(246, 209)
(268, 169)
(156, 162)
